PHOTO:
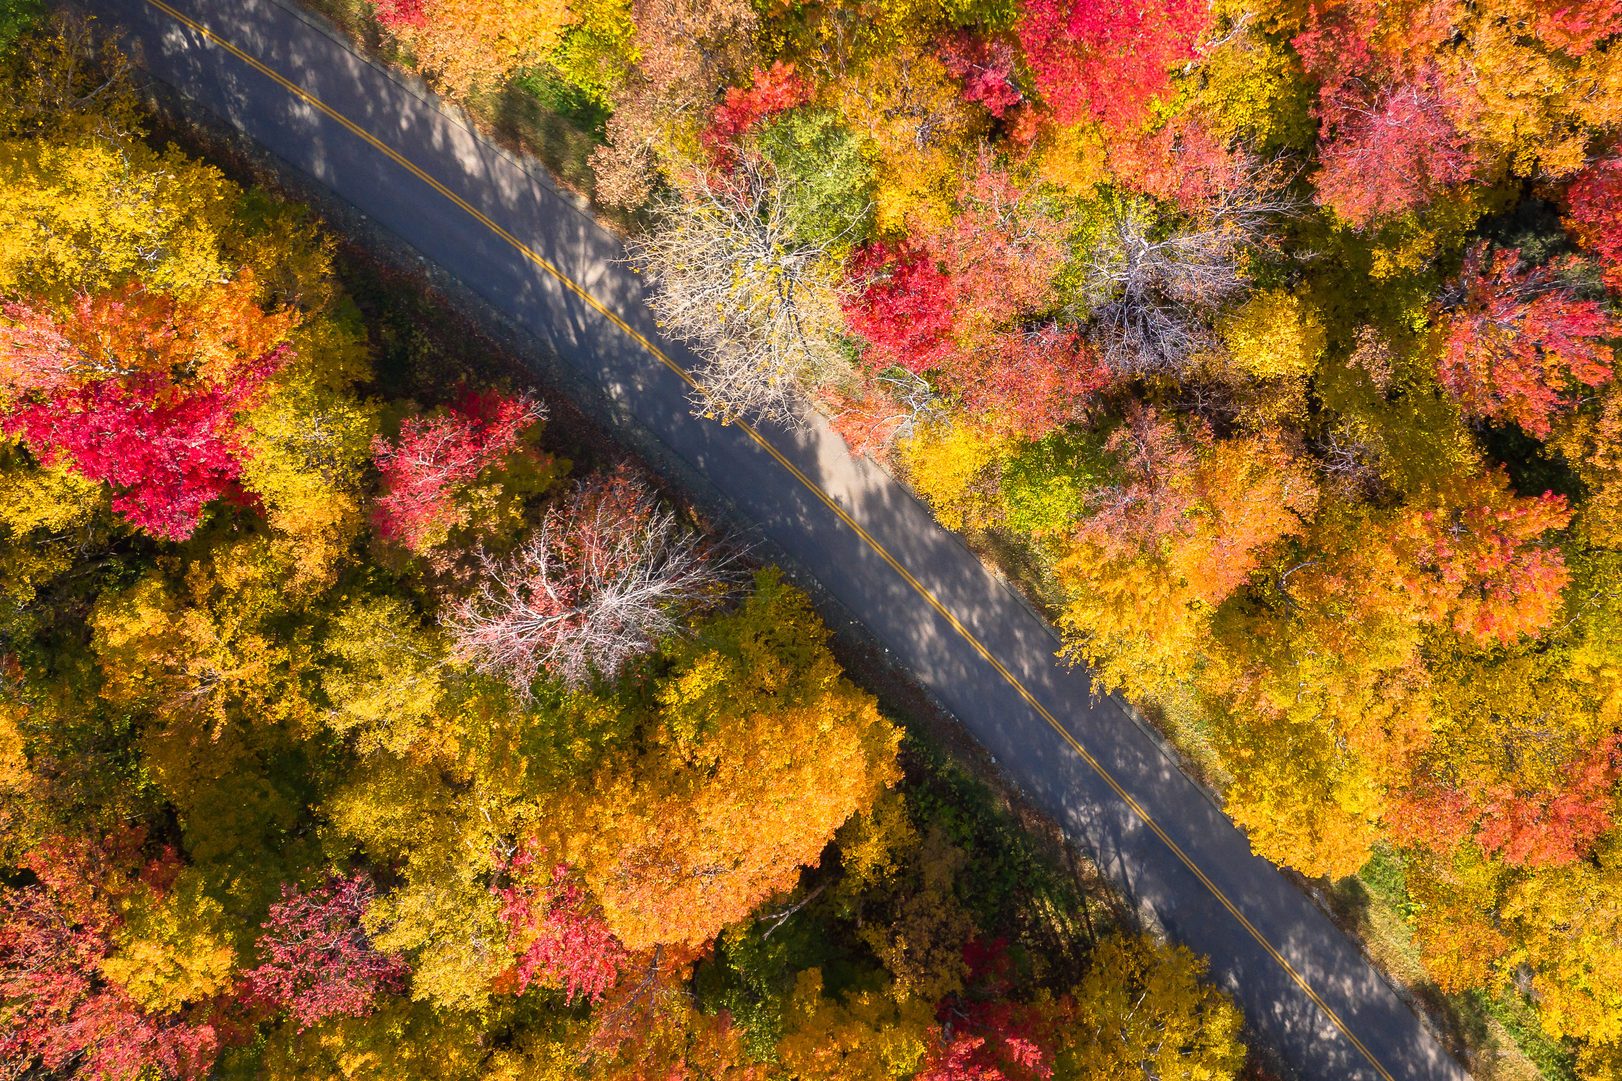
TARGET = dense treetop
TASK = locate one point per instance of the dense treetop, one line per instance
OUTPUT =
(348, 729)
(1277, 341)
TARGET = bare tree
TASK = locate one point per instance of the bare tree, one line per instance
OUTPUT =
(1153, 290)
(757, 303)
(604, 577)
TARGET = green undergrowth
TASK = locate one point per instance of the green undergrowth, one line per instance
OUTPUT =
(1499, 1033)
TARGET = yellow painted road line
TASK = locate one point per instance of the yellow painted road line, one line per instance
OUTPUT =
(827, 500)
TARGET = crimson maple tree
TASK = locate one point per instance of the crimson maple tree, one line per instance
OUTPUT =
(902, 305)
(1389, 155)
(986, 69)
(315, 959)
(434, 457)
(167, 452)
(992, 1040)
(141, 390)
(771, 91)
(400, 14)
(1520, 344)
(560, 935)
(1107, 61)
(963, 306)
(1594, 203)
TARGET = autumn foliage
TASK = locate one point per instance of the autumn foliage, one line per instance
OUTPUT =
(62, 1013)
(560, 939)
(903, 307)
(599, 583)
(1595, 201)
(1521, 347)
(770, 92)
(142, 390)
(986, 69)
(434, 457)
(166, 455)
(1484, 564)
(1271, 347)
(1390, 156)
(1524, 828)
(1105, 63)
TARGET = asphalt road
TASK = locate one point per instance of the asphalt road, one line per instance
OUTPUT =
(505, 233)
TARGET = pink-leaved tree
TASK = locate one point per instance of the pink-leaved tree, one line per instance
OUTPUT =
(606, 576)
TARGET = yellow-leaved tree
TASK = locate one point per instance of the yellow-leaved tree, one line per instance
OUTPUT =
(759, 751)
(468, 45)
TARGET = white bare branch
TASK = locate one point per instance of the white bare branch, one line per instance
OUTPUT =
(1152, 291)
(601, 581)
(759, 305)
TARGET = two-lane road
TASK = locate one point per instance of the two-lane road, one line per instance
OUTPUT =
(503, 232)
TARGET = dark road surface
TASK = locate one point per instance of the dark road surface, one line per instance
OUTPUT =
(416, 171)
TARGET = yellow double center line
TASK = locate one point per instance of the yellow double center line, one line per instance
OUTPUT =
(828, 501)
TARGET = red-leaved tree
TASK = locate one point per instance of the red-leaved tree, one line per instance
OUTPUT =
(1525, 827)
(561, 937)
(1028, 382)
(167, 452)
(608, 573)
(1182, 163)
(57, 1012)
(986, 70)
(141, 390)
(1391, 155)
(1573, 28)
(400, 14)
(434, 457)
(902, 304)
(986, 1041)
(964, 307)
(1107, 60)
(1538, 829)
(771, 91)
(1520, 345)
(1594, 203)
(315, 959)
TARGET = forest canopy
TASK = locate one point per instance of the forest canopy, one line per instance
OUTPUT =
(1273, 344)
(363, 718)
